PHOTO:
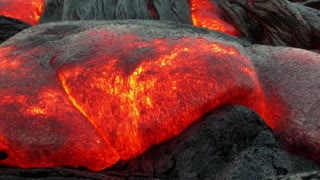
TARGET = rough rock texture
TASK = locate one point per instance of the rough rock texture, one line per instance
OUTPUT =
(10, 27)
(275, 22)
(229, 143)
(314, 175)
(310, 3)
(51, 174)
(174, 10)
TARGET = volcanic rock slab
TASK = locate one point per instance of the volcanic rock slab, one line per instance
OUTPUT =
(122, 86)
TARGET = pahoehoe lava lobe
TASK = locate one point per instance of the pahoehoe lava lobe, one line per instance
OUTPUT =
(92, 93)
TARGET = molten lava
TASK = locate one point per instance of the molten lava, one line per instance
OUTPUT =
(135, 96)
(28, 11)
(206, 14)
(106, 92)
(150, 91)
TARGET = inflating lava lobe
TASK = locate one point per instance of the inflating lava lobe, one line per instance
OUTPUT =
(28, 11)
(206, 14)
(152, 89)
(131, 102)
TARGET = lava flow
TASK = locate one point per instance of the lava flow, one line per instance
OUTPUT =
(206, 14)
(107, 91)
(135, 96)
(28, 11)
(157, 89)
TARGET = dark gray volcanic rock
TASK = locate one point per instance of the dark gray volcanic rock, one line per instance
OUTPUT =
(173, 10)
(310, 3)
(314, 175)
(67, 10)
(273, 22)
(280, 23)
(10, 27)
(229, 143)
(50, 32)
(51, 174)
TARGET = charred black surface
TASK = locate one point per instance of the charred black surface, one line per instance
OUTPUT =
(10, 27)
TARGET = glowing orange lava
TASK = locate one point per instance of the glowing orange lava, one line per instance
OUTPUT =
(205, 14)
(28, 11)
(39, 125)
(131, 102)
(105, 95)
(143, 91)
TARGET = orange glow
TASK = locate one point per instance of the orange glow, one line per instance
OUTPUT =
(158, 91)
(116, 103)
(28, 11)
(39, 125)
(205, 14)
(122, 95)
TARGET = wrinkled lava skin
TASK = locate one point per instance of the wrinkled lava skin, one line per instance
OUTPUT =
(92, 93)
(27, 11)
